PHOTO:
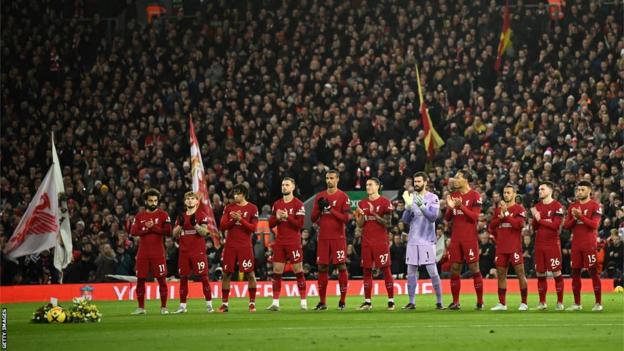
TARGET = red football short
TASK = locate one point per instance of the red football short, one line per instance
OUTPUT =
(332, 251)
(504, 259)
(377, 256)
(547, 258)
(243, 255)
(583, 257)
(461, 250)
(157, 265)
(197, 264)
(290, 253)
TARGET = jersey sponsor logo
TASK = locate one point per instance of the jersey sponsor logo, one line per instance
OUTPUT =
(505, 225)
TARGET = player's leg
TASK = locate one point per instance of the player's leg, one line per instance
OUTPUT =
(228, 262)
(184, 271)
(519, 269)
(456, 258)
(158, 267)
(555, 267)
(200, 268)
(340, 260)
(591, 262)
(432, 269)
(141, 268)
(576, 264)
(301, 284)
(472, 259)
(389, 282)
(540, 272)
(246, 265)
(427, 258)
(411, 259)
(367, 268)
(322, 261)
(278, 270)
(501, 262)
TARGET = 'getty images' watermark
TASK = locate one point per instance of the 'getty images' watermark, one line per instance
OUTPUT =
(4, 328)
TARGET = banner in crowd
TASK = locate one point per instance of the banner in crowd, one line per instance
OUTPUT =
(124, 291)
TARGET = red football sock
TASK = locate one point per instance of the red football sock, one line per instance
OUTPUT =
(559, 287)
(206, 288)
(477, 278)
(343, 280)
(301, 284)
(597, 285)
(277, 285)
(322, 282)
(542, 289)
(252, 295)
(523, 295)
(389, 281)
(162, 288)
(183, 289)
(455, 287)
(225, 295)
(576, 285)
(502, 295)
(368, 283)
(140, 292)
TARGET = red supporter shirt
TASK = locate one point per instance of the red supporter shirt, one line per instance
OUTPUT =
(239, 233)
(547, 229)
(191, 243)
(508, 230)
(466, 216)
(332, 219)
(373, 232)
(288, 231)
(151, 239)
(585, 228)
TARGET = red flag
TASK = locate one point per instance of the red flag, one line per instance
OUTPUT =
(505, 38)
(38, 228)
(433, 141)
(199, 185)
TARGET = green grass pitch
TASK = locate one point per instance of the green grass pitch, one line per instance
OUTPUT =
(291, 329)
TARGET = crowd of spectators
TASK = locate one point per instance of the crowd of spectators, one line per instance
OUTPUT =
(295, 88)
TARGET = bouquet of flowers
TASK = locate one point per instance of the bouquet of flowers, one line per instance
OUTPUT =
(83, 311)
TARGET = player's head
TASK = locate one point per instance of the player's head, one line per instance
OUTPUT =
(509, 193)
(151, 197)
(239, 193)
(583, 189)
(373, 186)
(546, 189)
(191, 200)
(288, 186)
(420, 181)
(331, 178)
(461, 180)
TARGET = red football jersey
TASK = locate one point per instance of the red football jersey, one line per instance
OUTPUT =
(547, 229)
(288, 231)
(332, 219)
(585, 228)
(466, 216)
(190, 241)
(151, 239)
(239, 233)
(508, 230)
(373, 232)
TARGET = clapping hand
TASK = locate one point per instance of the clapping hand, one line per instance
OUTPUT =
(535, 214)
(408, 199)
(576, 212)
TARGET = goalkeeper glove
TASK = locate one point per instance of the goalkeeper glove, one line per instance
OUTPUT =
(408, 198)
(419, 200)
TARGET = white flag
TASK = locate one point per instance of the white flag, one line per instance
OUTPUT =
(38, 229)
(64, 247)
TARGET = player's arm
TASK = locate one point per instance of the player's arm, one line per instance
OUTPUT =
(252, 224)
(137, 229)
(165, 227)
(569, 221)
(494, 222)
(431, 211)
(296, 220)
(592, 222)
(316, 212)
(556, 221)
(407, 216)
(226, 221)
(359, 216)
(448, 215)
(473, 212)
(343, 213)
(177, 228)
(516, 219)
(273, 221)
(202, 229)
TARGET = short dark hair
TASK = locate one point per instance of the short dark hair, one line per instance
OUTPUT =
(423, 175)
(240, 189)
(376, 180)
(290, 180)
(467, 175)
(584, 183)
(333, 171)
(151, 192)
(548, 183)
(511, 186)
